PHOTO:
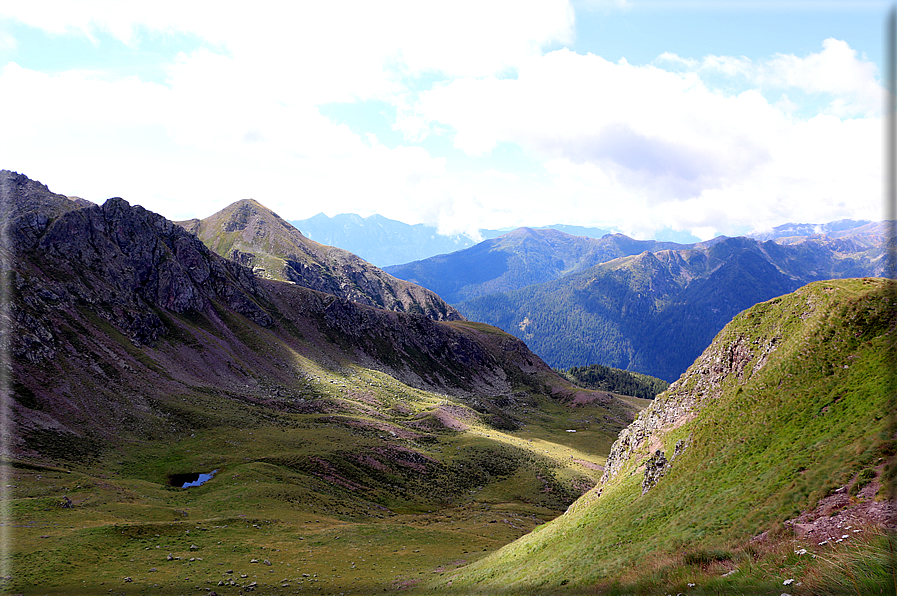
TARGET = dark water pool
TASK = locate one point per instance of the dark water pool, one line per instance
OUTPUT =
(190, 480)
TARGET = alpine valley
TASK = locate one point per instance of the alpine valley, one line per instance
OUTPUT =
(350, 448)
(224, 406)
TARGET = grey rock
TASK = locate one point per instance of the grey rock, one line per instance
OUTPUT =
(656, 466)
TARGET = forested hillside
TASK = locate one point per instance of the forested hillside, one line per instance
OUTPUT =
(606, 378)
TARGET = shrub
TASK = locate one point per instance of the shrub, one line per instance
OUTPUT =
(863, 478)
(705, 557)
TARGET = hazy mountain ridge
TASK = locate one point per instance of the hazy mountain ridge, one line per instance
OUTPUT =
(255, 236)
(833, 229)
(383, 241)
(386, 242)
(655, 312)
(517, 259)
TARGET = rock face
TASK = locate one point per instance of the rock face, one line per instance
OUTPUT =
(255, 236)
(655, 468)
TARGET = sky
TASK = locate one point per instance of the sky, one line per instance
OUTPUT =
(675, 120)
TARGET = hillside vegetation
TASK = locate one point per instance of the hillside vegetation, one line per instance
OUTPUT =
(605, 378)
(768, 464)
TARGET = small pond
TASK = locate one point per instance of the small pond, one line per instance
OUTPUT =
(190, 480)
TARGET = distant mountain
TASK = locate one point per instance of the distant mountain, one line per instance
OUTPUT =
(576, 230)
(383, 241)
(833, 229)
(517, 259)
(386, 242)
(255, 236)
(655, 312)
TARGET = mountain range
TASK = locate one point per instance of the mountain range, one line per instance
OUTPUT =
(644, 306)
(386, 242)
(520, 258)
(126, 306)
(834, 229)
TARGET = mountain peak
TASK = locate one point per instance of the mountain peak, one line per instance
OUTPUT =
(252, 234)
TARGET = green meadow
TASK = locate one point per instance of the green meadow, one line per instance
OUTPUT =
(378, 493)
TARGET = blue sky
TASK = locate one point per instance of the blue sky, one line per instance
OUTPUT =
(690, 118)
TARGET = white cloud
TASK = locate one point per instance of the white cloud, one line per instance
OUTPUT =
(242, 111)
(654, 148)
(836, 71)
(348, 49)
(185, 151)
(659, 131)
(8, 43)
(640, 148)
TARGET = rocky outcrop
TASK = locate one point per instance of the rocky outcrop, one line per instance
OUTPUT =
(655, 468)
(658, 465)
(29, 207)
(728, 359)
(120, 260)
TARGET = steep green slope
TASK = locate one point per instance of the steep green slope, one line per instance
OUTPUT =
(786, 414)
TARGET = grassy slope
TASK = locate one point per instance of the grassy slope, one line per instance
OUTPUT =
(760, 452)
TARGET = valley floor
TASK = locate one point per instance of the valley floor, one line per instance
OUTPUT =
(321, 506)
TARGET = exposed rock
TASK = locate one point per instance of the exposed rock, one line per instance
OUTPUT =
(682, 400)
(118, 259)
(655, 468)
